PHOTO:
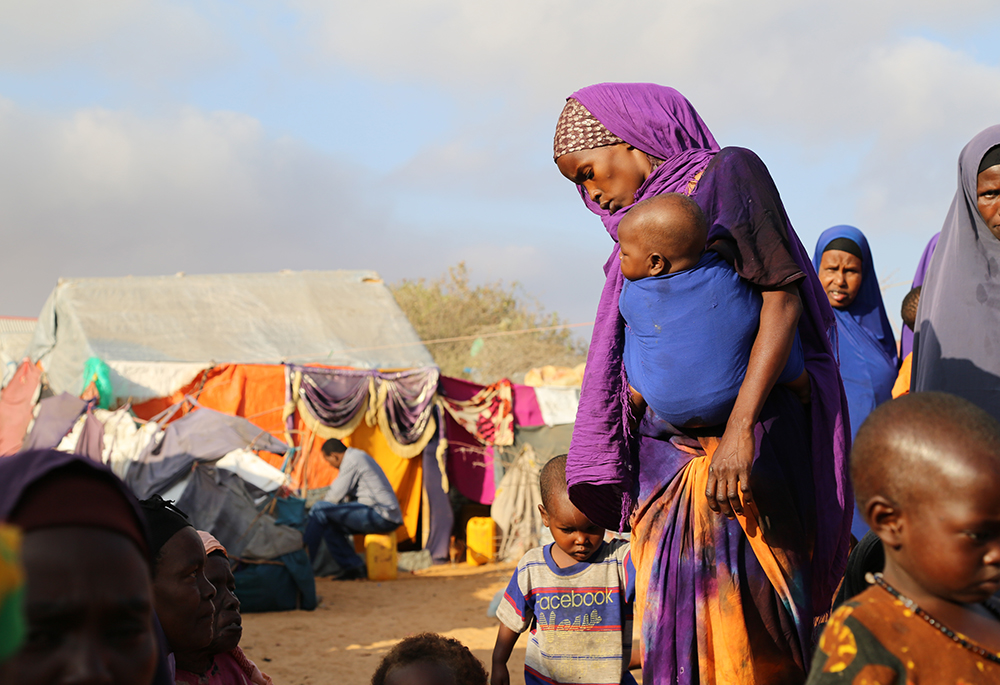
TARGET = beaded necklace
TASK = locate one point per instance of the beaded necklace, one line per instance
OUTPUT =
(877, 579)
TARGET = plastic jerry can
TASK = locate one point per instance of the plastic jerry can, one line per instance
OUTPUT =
(381, 556)
(480, 540)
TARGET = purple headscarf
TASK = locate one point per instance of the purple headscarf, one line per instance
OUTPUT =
(956, 346)
(661, 122)
(906, 336)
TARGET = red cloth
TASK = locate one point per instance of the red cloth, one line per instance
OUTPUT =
(15, 406)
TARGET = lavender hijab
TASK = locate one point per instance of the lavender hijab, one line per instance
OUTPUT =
(956, 346)
(600, 471)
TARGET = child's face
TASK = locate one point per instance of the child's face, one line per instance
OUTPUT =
(573, 532)
(636, 262)
(949, 540)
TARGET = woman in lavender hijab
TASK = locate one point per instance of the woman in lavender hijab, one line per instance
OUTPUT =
(956, 345)
(740, 531)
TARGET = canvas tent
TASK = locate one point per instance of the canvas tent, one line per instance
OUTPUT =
(239, 342)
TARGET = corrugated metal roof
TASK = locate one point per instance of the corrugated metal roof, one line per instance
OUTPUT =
(17, 324)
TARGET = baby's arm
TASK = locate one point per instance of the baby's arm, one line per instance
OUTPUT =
(506, 638)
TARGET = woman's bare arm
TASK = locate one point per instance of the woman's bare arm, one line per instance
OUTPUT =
(729, 473)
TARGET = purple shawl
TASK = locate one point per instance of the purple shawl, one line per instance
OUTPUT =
(600, 471)
(906, 336)
(662, 123)
(956, 347)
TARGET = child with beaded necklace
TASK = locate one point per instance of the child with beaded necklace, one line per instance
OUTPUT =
(926, 472)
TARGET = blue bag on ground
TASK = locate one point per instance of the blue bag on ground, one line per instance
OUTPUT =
(282, 584)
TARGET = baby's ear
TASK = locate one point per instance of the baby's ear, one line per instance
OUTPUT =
(657, 264)
(545, 515)
(886, 520)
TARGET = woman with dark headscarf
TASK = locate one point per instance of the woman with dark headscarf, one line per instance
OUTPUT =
(730, 597)
(89, 599)
(866, 345)
(222, 662)
(956, 346)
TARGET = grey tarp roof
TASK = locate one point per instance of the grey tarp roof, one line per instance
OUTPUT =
(341, 318)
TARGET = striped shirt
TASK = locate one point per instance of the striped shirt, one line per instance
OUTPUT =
(580, 617)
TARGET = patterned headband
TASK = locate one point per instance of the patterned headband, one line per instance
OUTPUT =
(579, 130)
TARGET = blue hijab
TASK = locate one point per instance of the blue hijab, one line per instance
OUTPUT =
(866, 345)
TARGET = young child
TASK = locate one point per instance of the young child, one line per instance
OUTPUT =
(908, 312)
(575, 595)
(691, 321)
(430, 659)
(926, 472)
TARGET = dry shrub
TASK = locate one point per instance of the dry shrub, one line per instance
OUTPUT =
(449, 307)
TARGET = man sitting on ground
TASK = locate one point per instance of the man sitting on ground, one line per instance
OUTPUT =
(360, 501)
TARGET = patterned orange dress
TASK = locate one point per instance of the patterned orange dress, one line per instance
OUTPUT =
(874, 639)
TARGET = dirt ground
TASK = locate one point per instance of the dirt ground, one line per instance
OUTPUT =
(357, 622)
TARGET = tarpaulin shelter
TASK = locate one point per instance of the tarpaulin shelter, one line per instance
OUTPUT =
(303, 355)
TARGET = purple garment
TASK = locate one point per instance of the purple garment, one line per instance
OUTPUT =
(906, 337)
(660, 122)
(738, 197)
(956, 345)
(335, 396)
(56, 416)
(91, 441)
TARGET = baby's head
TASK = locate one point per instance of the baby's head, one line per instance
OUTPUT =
(926, 472)
(572, 531)
(661, 235)
(430, 659)
(908, 311)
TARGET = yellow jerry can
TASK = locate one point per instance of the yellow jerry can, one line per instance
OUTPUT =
(381, 556)
(480, 540)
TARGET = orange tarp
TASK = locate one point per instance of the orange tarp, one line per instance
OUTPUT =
(257, 393)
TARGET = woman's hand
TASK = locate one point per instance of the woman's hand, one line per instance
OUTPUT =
(729, 473)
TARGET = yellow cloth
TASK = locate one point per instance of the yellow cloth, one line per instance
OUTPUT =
(902, 386)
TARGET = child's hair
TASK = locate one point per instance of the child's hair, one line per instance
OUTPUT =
(909, 309)
(552, 479)
(436, 649)
(900, 437)
(642, 214)
(333, 446)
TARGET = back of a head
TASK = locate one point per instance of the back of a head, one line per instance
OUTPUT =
(672, 224)
(908, 310)
(905, 443)
(450, 662)
(333, 446)
(552, 480)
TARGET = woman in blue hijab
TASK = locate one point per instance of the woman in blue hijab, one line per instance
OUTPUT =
(866, 345)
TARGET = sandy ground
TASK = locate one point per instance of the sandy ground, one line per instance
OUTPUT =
(357, 622)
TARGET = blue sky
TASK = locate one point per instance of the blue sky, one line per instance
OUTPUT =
(151, 138)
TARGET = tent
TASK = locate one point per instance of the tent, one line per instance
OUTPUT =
(277, 349)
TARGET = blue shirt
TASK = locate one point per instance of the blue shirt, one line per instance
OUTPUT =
(362, 480)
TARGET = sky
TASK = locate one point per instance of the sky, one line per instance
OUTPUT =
(147, 138)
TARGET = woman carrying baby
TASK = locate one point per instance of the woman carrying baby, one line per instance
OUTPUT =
(741, 529)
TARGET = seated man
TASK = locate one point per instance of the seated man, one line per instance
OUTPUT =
(360, 501)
